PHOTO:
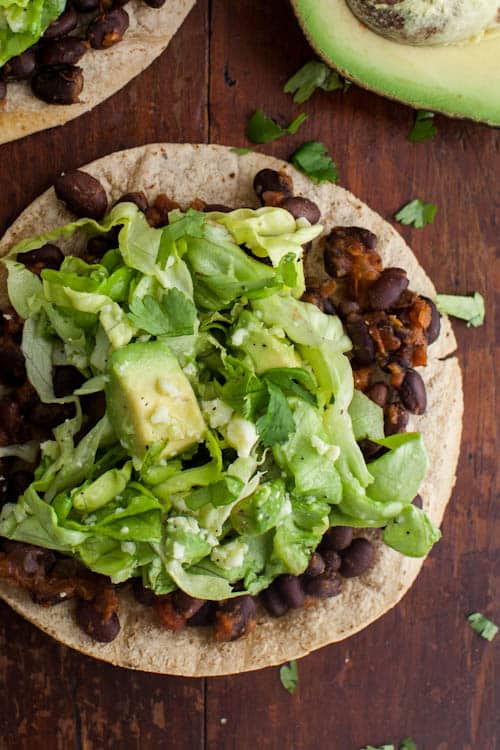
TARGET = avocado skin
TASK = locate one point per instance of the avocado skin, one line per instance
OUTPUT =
(459, 80)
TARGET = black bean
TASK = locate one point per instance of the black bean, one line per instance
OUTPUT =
(290, 589)
(19, 481)
(357, 558)
(59, 85)
(85, 6)
(62, 51)
(220, 207)
(370, 450)
(433, 330)
(47, 416)
(385, 292)
(186, 605)
(337, 538)
(204, 617)
(108, 29)
(273, 602)
(347, 308)
(417, 502)
(138, 198)
(66, 380)
(234, 618)
(270, 181)
(155, 3)
(5, 465)
(90, 621)
(142, 594)
(3, 88)
(62, 25)
(395, 419)
(302, 208)
(94, 407)
(10, 418)
(324, 586)
(33, 560)
(412, 392)
(379, 393)
(22, 66)
(363, 346)
(47, 256)
(12, 370)
(332, 561)
(316, 565)
(82, 193)
(403, 356)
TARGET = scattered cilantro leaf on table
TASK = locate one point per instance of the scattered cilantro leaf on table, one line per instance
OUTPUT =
(263, 129)
(312, 159)
(417, 212)
(482, 626)
(173, 315)
(289, 676)
(469, 308)
(277, 423)
(408, 744)
(311, 76)
(423, 128)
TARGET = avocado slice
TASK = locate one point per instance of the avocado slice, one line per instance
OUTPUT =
(460, 80)
(149, 399)
(266, 347)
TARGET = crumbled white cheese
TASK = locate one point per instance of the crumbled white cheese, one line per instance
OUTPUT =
(332, 452)
(90, 519)
(19, 513)
(242, 435)
(170, 261)
(230, 555)
(161, 416)
(124, 530)
(239, 336)
(189, 370)
(185, 523)
(128, 547)
(167, 388)
(178, 551)
(218, 412)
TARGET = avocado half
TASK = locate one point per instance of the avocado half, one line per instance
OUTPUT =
(460, 80)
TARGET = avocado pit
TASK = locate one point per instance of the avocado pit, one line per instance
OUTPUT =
(427, 22)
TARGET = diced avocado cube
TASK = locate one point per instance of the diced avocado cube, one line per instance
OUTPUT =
(266, 347)
(149, 399)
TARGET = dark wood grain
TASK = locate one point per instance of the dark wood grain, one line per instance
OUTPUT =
(419, 671)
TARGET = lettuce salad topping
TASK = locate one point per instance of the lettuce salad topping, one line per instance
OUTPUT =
(22, 23)
(229, 441)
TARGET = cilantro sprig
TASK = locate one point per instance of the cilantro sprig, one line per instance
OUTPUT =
(423, 128)
(289, 676)
(417, 213)
(311, 76)
(263, 129)
(407, 744)
(172, 315)
(482, 626)
(312, 159)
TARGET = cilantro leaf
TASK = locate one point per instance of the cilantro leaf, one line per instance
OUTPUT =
(263, 129)
(423, 128)
(189, 224)
(408, 744)
(467, 308)
(293, 380)
(311, 76)
(173, 315)
(312, 159)
(417, 212)
(482, 626)
(277, 423)
(289, 676)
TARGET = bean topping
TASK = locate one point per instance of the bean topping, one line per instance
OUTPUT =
(357, 558)
(142, 594)
(62, 25)
(19, 481)
(82, 193)
(220, 207)
(169, 617)
(108, 28)
(204, 616)
(186, 605)
(65, 51)
(316, 565)
(3, 89)
(98, 617)
(290, 590)
(85, 6)
(12, 371)
(417, 502)
(47, 256)
(324, 586)
(302, 208)
(395, 419)
(434, 327)
(337, 538)
(157, 214)
(66, 380)
(269, 183)
(273, 602)
(155, 3)
(413, 393)
(332, 561)
(379, 393)
(58, 85)
(138, 198)
(22, 66)
(235, 618)
(387, 289)
(363, 346)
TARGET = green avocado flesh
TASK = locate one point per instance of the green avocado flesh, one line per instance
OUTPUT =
(461, 80)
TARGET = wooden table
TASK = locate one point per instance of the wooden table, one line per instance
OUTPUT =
(420, 671)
